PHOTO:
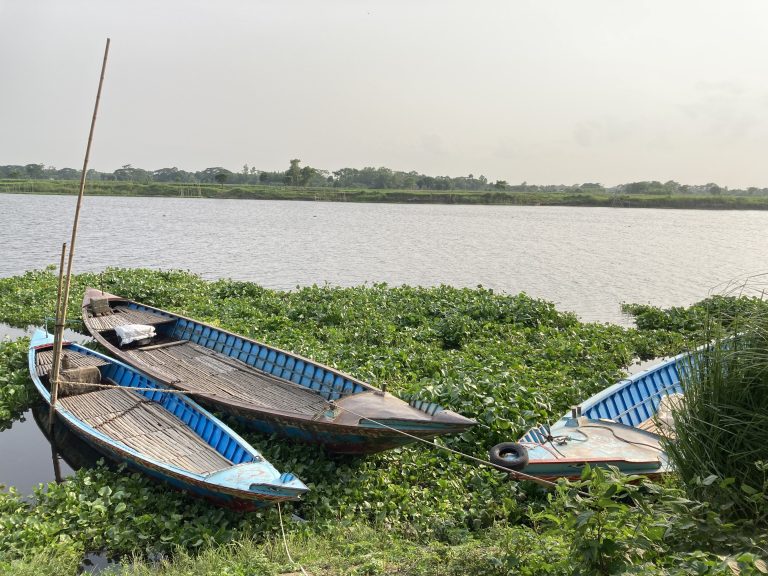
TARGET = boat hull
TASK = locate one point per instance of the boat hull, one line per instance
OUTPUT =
(340, 413)
(616, 427)
(239, 476)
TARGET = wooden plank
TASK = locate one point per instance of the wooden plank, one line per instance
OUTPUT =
(147, 427)
(195, 368)
(123, 315)
(44, 360)
(165, 345)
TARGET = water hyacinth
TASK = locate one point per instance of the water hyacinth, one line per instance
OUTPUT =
(507, 360)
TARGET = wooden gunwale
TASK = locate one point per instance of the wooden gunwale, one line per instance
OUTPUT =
(169, 317)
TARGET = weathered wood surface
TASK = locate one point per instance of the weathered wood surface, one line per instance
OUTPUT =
(145, 426)
(122, 315)
(44, 361)
(195, 368)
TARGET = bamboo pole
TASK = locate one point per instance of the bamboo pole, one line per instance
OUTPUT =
(56, 463)
(54, 379)
(59, 333)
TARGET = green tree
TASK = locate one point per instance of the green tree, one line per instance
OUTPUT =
(293, 175)
(714, 189)
(34, 171)
(209, 174)
(306, 174)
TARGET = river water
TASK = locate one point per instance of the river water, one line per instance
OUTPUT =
(586, 260)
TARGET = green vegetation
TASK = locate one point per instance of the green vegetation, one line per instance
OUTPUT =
(508, 361)
(506, 196)
(722, 428)
(371, 185)
(16, 394)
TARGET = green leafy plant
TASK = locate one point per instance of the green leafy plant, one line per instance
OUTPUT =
(509, 361)
(16, 390)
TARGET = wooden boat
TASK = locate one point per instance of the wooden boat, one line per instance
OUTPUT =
(269, 389)
(162, 433)
(621, 426)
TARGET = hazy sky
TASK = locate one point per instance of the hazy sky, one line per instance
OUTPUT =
(546, 92)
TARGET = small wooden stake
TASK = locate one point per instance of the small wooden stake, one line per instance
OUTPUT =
(56, 463)
(58, 332)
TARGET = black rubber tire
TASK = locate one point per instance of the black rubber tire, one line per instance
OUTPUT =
(510, 455)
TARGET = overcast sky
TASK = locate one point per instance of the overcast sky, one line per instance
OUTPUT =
(546, 92)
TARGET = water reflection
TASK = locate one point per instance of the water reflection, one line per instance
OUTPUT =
(68, 451)
(12, 333)
(27, 456)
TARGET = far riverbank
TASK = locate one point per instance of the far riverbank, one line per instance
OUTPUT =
(497, 197)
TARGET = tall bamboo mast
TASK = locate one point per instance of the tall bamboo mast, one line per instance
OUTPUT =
(61, 308)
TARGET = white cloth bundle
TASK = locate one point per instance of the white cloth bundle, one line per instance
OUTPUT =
(133, 332)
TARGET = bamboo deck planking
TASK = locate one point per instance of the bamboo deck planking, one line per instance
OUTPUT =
(145, 426)
(199, 370)
(44, 360)
(123, 315)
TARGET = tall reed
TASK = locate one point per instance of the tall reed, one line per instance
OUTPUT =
(720, 447)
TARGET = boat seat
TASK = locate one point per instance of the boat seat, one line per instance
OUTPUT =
(79, 380)
(100, 307)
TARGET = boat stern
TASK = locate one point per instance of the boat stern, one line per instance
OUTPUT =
(378, 409)
(255, 480)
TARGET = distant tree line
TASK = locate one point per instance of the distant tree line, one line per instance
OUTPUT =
(365, 178)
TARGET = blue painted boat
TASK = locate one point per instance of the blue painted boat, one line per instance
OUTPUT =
(621, 426)
(269, 389)
(138, 421)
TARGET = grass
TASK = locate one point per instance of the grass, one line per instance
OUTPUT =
(722, 426)
(496, 197)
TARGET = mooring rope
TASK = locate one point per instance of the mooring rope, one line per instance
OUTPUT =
(516, 473)
(285, 541)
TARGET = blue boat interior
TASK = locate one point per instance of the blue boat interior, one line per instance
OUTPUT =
(326, 382)
(632, 401)
(199, 422)
(636, 399)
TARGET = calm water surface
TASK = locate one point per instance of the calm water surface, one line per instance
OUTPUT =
(26, 458)
(586, 260)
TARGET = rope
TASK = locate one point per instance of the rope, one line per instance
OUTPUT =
(162, 390)
(651, 446)
(285, 541)
(516, 473)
